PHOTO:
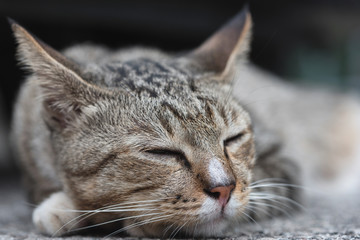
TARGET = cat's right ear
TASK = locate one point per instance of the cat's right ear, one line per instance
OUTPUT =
(219, 52)
(63, 91)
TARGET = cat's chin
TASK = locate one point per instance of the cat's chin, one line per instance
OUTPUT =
(214, 220)
(214, 225)
(212, 228)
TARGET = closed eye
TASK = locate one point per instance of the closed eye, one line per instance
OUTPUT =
(165, 152)
(170, 153)
(233, 139)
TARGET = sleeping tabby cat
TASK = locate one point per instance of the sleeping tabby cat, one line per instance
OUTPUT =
(140, 141)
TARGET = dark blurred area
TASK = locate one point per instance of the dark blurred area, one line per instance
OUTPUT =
(307, 41)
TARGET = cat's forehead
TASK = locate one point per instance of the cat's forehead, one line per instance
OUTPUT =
(165, 85)
(143, 66)
(147, 77)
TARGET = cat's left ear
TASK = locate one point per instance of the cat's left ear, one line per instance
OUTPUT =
(63, 91)
(219, 52)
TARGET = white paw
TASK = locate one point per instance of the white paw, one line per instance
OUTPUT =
(55, 215)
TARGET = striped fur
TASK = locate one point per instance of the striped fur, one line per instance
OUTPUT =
(136, 137)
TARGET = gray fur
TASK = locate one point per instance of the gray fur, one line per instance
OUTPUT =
(89, 124)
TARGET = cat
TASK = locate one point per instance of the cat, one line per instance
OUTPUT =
(148, 143)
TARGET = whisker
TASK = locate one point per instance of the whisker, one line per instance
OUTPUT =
(267, 179)
(138, 224)
(275, 201)
(167, 229)
(72, 220)
(170, 226)
(195, 228)
(176, 230)
(246, 219)
(109, 210)
(89, 213)
(271, 197)
(252, 219)
(240, 220)
(277, 185)
(283, 186)
(114, 220)
(31, 204)
(171, 237)
(135, 202)
(172, 233)
(272, 206)
(254, 209)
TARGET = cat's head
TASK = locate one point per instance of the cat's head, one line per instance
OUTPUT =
(165, 141)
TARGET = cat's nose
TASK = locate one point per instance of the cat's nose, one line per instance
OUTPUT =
(222, 193)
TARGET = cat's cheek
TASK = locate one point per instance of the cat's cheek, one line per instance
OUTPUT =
(236, 204)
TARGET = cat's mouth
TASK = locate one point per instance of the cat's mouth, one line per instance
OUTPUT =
(212, 212)
(221, 214)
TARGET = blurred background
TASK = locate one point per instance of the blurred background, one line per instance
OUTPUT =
(304, 41)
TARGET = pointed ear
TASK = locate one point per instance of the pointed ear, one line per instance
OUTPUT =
(63, 91)
(218, 53)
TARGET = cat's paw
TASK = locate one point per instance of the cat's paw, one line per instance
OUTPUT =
(55, 216)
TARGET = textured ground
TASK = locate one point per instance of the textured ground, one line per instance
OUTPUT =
(325, 218)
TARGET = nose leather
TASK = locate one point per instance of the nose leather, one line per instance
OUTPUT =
(222, 193)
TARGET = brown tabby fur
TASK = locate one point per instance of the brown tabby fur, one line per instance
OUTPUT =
(86, 124)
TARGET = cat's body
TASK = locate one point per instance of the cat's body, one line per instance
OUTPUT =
(158, 135)
(319, 129)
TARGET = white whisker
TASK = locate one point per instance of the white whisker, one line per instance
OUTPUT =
(272, 200)
(276, 185)
(89, 213)
(109, 211)
(114, 220)
(195, 228)
(151, 220)
(255, 210)
(167, 229)
(272, 206)
(271, 197)
(252, 219)
(267, 179)
(174, 234)
(135, 202)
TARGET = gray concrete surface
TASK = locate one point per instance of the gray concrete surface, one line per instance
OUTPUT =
(324, 218)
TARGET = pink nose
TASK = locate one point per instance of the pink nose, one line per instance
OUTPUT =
(222, 193)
